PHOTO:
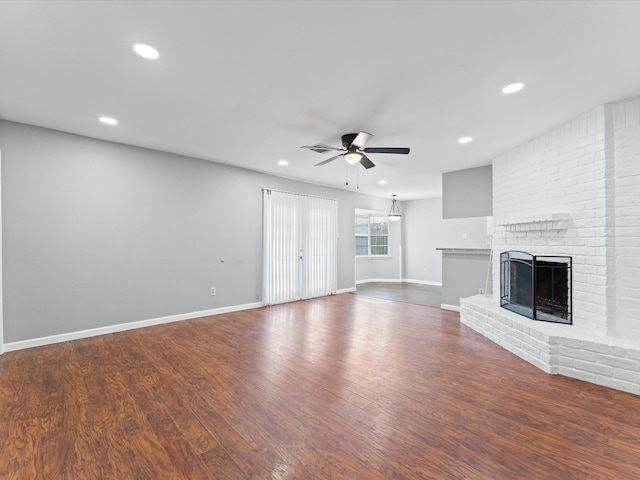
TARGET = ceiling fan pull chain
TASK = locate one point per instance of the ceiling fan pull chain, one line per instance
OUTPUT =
(346, 174)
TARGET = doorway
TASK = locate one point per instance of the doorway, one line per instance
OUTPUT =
(299, 246)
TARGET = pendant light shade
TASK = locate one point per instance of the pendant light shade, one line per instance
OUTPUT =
(394, 213)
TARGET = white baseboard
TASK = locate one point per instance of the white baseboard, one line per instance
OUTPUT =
(422, 282)
(398, 280)
(93, 332)
(385, 280)
(445, 306)
(346, 290)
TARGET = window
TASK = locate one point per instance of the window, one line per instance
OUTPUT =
(372, 236)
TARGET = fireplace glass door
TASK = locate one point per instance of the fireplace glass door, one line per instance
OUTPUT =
(537, 287)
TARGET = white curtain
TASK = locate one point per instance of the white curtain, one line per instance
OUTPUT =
(299, 246)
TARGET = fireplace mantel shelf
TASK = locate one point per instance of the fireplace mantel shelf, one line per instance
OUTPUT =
(544, 221)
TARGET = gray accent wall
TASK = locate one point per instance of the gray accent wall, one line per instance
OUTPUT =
(425, 230)
(97, 234)
(468, 193)
(463, 274)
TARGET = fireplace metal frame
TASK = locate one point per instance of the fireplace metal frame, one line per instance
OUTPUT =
(533, 261)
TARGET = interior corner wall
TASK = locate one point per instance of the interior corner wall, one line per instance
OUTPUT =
(1, 289)
(425, 230)
(98, 234)
(468, 193)
(626, 152)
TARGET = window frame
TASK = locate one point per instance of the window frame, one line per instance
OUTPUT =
(379, 219)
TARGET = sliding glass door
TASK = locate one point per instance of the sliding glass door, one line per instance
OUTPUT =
(299, 246)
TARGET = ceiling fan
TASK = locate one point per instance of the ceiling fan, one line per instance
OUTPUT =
(354, 151)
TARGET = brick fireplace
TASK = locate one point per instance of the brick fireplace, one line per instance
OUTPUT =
(574, 192)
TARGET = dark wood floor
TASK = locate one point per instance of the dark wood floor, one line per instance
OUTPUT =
(338, 387)
(430, 295)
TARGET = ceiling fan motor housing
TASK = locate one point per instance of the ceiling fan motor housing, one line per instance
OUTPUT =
(347, 139)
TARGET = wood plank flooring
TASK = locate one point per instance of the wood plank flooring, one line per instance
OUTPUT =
(346, 386)
(430, 295)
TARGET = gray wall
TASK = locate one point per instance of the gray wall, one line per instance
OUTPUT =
(99, 234)
(464, 273)
(468, 193)
(387, 268)
(425, 230)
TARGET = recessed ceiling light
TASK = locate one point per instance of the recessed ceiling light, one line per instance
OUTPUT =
(146, 51)
(513, 88)
(283, 163)
(382, 182)
(108, 120)
(465, 139)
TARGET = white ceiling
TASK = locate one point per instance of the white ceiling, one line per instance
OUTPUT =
(247, 83)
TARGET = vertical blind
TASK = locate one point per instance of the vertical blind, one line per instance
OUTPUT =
(299, 246)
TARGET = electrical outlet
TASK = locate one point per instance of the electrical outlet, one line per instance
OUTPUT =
(481, 291)
(213, 290)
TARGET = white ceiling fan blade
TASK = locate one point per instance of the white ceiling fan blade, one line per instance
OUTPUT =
(361, 139)
(328, 160)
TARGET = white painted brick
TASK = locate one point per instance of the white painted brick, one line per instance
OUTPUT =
(594, 368)
(571, 342)
(513, 341)
(532, 351)
(577, 353)
(538, 345)
(627, 375)
(568, 169)
(625, 363)
(500, 336)
(628, 387)
(565, 361)
(547, 359)
(526, 356)
(541, 364)
(594, 347)
(617, 351)
(538, 335)
(577, 374)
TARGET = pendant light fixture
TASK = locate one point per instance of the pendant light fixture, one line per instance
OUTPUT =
(394, 213)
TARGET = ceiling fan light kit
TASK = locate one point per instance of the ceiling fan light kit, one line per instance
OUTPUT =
(353, 150)
(352, 156)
